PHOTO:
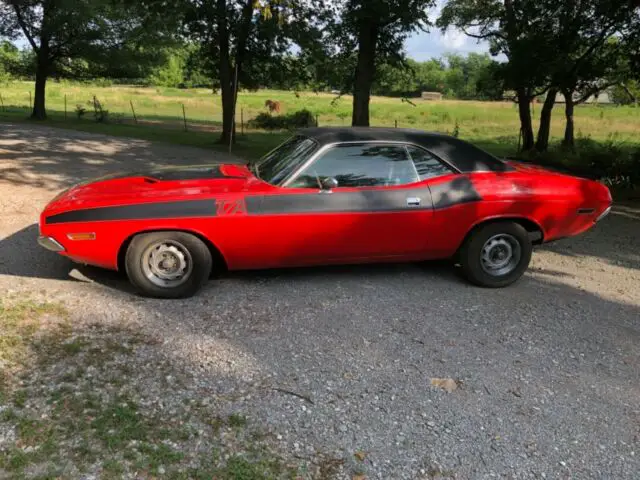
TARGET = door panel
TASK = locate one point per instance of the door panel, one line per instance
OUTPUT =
(302, 227)
(380, 210)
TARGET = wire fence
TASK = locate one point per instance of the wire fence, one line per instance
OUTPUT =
(194, 111)
(190, 114)
(199, 114)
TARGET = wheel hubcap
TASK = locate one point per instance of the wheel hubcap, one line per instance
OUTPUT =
(167, 264)
(501, 255)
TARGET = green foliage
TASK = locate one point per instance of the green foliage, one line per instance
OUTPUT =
(610, 161)
(300, 119)
(169, 74)
(472, 77)
(80, 111)
(627, 93)
(9, 61)
(456, 130)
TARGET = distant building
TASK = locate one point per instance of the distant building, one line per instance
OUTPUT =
(431, 96)
(600, 98)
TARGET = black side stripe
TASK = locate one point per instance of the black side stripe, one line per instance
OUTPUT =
(347, 202)
(143, 211)
(443, 195)
(452, 193)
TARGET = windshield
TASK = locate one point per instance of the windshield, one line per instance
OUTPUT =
(276, 166)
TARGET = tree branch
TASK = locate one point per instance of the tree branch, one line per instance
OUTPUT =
(24, 27)
(593, 91)
(57, 51)
(483, 36)
(598, 42)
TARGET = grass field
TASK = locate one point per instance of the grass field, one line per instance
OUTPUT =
(493, 125)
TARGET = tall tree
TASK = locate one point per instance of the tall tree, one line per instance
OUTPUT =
(376, 29)
(586, 56)
(63, 30)
(513, 28)
(241, 36)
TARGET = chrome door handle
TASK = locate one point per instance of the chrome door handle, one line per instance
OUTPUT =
(413, 202)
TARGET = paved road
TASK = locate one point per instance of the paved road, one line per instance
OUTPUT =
(548, 369)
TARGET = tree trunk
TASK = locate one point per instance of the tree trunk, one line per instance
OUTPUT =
(227, 86)
(42, 72)
(228, 108)
(526, 127)
(542, 143)
(365, 71)
(228, 74)
(569, 137)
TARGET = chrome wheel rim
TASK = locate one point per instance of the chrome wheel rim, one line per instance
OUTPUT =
(167, 264)
(501, 255)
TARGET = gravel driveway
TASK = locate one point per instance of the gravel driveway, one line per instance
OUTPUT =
(548, 371)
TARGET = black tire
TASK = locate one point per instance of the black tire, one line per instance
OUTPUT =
(194, 252)
(477, 271)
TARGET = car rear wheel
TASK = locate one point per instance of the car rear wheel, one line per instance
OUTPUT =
(168, 264)
(496, 255)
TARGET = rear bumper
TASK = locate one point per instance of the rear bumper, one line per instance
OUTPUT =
(604, 214)
(50, 244)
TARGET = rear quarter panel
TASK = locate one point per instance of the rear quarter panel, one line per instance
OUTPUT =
(548, 200)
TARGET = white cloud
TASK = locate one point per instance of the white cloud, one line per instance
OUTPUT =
(424, 46)
(454, 40)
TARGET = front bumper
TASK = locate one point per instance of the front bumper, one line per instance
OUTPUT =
(50, 244)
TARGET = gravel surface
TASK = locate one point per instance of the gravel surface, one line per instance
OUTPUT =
(548, 383)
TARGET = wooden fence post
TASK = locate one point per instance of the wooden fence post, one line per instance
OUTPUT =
(242, 121)
(396, 123)
(135, 119)
(30, 101)
(184, 116)
(65, 106)
(2, 102)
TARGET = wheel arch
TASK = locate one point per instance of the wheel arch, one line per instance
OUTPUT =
(219, 262)
(535, 230)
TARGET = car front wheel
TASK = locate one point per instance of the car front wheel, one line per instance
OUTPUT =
(168, 264)
(496, 255)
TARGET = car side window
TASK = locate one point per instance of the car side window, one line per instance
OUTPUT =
(427, 164)
(360, 165)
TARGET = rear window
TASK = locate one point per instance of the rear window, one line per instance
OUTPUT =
(466, 157)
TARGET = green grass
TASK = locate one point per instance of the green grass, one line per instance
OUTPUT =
(608, 137)
(477, 121)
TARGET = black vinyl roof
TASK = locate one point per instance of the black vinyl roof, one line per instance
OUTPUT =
(462, 155)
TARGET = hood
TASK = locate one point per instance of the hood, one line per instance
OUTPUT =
(161, 184)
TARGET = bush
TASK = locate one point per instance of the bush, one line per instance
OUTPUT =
(80, 111)
(300, 119)
(613, 163)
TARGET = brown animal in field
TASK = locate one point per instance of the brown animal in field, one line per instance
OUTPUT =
(272, 106)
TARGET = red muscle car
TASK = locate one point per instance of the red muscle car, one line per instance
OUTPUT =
(325, 196)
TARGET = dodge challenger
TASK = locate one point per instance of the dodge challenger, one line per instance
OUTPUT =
(324, 196)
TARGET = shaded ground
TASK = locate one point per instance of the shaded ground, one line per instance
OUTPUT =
(547, 370)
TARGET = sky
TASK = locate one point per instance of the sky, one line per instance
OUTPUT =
(424, 46)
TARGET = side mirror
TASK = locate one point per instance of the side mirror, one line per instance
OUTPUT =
(329, 183)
